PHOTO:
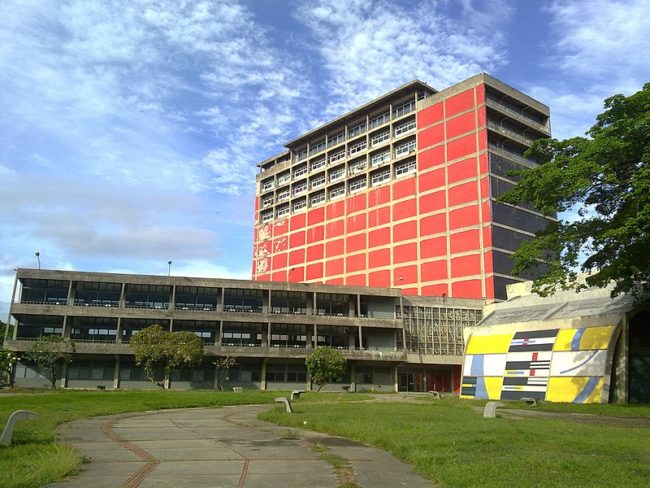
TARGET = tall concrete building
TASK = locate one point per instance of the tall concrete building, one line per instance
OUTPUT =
(401, 191)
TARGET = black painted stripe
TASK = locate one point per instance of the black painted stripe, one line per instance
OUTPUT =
(531, 348)
(530, 334)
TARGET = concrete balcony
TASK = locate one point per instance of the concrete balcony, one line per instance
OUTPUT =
(511, 134)
(521, 117)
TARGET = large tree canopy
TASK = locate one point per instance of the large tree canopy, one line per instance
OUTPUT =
(51, 353)
(325, 365)
(603, 182)
(161, 352)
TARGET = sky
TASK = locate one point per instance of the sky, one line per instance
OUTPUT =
(130, 130)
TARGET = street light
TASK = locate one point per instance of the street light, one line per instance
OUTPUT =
(169, 268)
(38, 256)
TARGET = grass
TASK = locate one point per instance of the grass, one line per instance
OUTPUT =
(35, 460)
(449, 442)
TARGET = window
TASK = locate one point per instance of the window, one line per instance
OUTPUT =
(337, 155)
(283, 210)
(357, 184)
(300, 187)
(357, 147)
(404, 168)
(267, 184)
(318, 180)
(316, 148)
(335, 139)
(267, 202)
(405, 148)
(357, 166)
(380, 176)
(284, 178)
(379, 119)
(337, 173)
(404, 109)
(337, 191)
(299, 205)
(300, 170)
(283, 195)
(379, 158)
(267, 216)
(319, 163)
(301, 155)
(317, 198)
(380, 137)
(404, 127)
(356, 130)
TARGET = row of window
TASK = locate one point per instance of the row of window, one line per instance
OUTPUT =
(338, 173)
(358, 129)
(353, 185)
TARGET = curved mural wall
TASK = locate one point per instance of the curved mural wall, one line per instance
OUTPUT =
(553, 364)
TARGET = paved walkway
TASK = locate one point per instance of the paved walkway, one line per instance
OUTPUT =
(222, 447)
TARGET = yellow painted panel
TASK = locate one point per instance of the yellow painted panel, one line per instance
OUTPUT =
(563, 339)
(596, 337)
(566, 389)
(489, 344)
(493, 386)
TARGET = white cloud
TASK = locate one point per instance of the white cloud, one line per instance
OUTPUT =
(598, 49)
(369, 47)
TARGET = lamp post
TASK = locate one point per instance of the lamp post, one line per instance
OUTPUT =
(169, 268)
(38, 257)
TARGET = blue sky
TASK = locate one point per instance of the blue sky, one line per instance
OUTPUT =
(130, 130)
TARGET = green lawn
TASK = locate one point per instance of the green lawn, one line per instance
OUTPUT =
(448, 441)
(35, 460)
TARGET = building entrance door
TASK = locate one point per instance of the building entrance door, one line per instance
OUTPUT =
(406, 382)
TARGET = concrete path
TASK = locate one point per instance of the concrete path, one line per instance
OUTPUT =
(222, 447)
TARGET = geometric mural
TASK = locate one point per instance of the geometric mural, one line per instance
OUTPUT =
(556, 365)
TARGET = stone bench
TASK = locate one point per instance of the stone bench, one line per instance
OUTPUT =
(531, 402)
(296, 394)
(237, 389)
(435, 394)
(5, 439)
(286, 402)
(490, 410)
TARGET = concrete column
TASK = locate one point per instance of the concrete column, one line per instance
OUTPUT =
(353, 382)
(395, 381)
(401, 308)
(269, 333)
(315, 338)
(310, 305)
(118, 337)
(351, 339)
(263, 374)
(220, 307)
(266, 301)
(308, 385)
(309, 338)
(66, 328)
(358, 305)
(219, 340)
(116, 373)
(171, 324)
(621, 363)
(265, 336)
(315, 304)
(360, 338)
(63, 382)
(123, 296)
(351, 308)
(172, 302)
(70, 299)
(13, 298)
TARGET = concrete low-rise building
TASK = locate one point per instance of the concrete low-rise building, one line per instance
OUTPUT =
(391, 341)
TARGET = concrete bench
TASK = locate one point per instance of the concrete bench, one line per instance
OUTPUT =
(286, 402)
(5, 439)
(435, 394)
(490, 410)
(296, 394)
(531, 402)
(237, 389)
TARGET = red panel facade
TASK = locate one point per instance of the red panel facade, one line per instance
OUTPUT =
(427, 232)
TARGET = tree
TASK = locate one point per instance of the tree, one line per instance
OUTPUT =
(604, 180)
(325, 365)
(51, 353)
(7, 361)
(162, 352)
(223, 364)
